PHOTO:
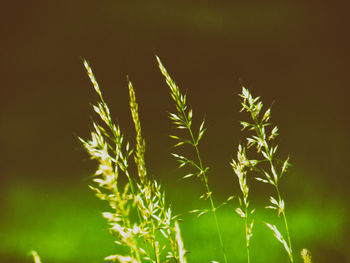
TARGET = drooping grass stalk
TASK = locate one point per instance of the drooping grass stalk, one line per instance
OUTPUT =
(183, 120)
(154, 226)
(261, 139)
(240, 168)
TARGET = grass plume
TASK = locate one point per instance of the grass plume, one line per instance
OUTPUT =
(139, 217)
(182, 119)
(240, 167)
(261, 137)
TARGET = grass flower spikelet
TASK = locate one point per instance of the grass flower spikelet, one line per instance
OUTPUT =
(261, 137)
(151, 236)
(182, 119)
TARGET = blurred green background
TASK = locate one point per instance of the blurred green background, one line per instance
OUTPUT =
(295, 54)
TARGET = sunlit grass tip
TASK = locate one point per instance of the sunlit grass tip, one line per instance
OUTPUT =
(35, 256)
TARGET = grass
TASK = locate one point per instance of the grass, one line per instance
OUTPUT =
(150, 232)
(141, 221)
(182, 119)
(144, 225)
(270, 168)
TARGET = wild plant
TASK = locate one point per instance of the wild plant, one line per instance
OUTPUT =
(275, 169)
(182, 119)
(144, 227)
(241, 167)
(139, 217)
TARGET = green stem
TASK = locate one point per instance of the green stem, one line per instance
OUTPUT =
(247, 234)
(270, 157)
(153, 239)
(154, 243)
(216, 222)
(136, 251)
(286, 226)
(205, 180)
(130, 182)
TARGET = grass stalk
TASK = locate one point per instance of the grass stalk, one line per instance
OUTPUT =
(268, 151)
(205, 180)
(247, 240)
(182, 119)
(291, 258)
(154, 242)
(240, 167)
(142, 233)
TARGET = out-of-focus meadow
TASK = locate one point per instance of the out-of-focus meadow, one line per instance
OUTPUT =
(294, 55)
